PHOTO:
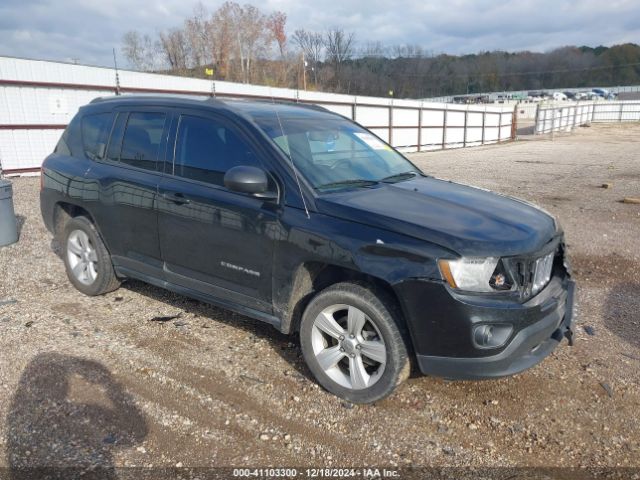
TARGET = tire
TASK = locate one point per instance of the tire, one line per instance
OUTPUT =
(360, 356)
(86, 258)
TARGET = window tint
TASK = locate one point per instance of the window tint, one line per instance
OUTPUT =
(115, 142)
(142, 138)
(95, 134)
(206, 149)
(62, 148)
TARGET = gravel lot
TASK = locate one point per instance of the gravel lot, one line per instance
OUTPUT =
(93, 381)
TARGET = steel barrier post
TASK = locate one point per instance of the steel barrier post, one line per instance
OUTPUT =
(464, 132)
(391, 123)
(420, 127)
(620, 115)
(444, 128)
(484, 122)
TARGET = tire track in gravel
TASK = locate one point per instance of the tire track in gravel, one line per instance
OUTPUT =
(189, 381)
(341, 445)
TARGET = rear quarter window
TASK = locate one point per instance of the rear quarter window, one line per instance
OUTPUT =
(65, 145)
(95, 134)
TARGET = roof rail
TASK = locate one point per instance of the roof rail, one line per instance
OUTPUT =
(98, 100)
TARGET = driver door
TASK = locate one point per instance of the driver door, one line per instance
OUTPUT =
(214, 240)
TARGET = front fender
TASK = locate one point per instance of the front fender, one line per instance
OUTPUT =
(306, 245)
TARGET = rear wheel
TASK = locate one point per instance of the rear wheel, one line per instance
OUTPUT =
(352, 343)
(86, 258)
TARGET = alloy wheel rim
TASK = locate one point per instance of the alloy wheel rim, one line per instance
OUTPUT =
(82, 257)
(348, 346)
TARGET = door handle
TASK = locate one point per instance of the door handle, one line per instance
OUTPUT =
(177, 198)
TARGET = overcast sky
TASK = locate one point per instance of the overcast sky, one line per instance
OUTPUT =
(86, 30)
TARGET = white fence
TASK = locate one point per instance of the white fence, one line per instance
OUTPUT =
(504, 96)
(39, 98)
(564, 118)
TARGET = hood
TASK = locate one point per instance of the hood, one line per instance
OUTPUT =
(467, 220)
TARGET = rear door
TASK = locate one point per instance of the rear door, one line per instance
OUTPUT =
(125, 186)
(214, 240)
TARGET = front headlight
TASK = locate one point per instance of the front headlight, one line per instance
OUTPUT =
(476, 274)
(542, 268)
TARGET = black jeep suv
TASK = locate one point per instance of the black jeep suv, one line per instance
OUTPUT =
(299, 217)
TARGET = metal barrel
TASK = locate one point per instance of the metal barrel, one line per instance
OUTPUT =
(8, 224)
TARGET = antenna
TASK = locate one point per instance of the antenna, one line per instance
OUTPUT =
(115, 64)
(293, 167)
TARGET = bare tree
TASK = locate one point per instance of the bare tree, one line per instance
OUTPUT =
(252, 38)
(197, 36)
(374, 50)
(339, 48)
(175, 49)
(221, 34)
(312, 45)
(140, 51)
(276, 23)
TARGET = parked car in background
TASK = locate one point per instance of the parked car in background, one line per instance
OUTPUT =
(536, 96)
(299, 217)
(558, 96)
(587, 96)
(570, 95)
(604, 93)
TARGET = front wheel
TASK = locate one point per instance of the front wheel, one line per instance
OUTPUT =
(352, 343)
(86, 258)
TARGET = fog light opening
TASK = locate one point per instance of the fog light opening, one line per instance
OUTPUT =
(491, 336)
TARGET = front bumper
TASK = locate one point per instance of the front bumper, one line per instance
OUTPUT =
(538, 327)
(528, 347)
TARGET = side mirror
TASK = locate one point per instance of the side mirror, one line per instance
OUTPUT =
(251, 180)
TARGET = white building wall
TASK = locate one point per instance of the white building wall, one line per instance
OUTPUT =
(39, 98)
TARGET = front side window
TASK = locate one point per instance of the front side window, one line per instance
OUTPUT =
(206, 149)
(95, 134)
(333, 153)
(142, 139)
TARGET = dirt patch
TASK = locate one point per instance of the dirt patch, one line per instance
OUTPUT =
(604, 270)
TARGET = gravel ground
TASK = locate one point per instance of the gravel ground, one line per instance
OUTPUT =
(93, 381)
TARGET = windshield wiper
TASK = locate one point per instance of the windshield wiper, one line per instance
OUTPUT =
(399, 176)
(357, 182)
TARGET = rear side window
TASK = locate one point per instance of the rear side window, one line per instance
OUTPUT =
(142, 139)
(206, 149)
(95, 134)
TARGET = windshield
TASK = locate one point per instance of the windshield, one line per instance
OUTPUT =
(333, 153)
